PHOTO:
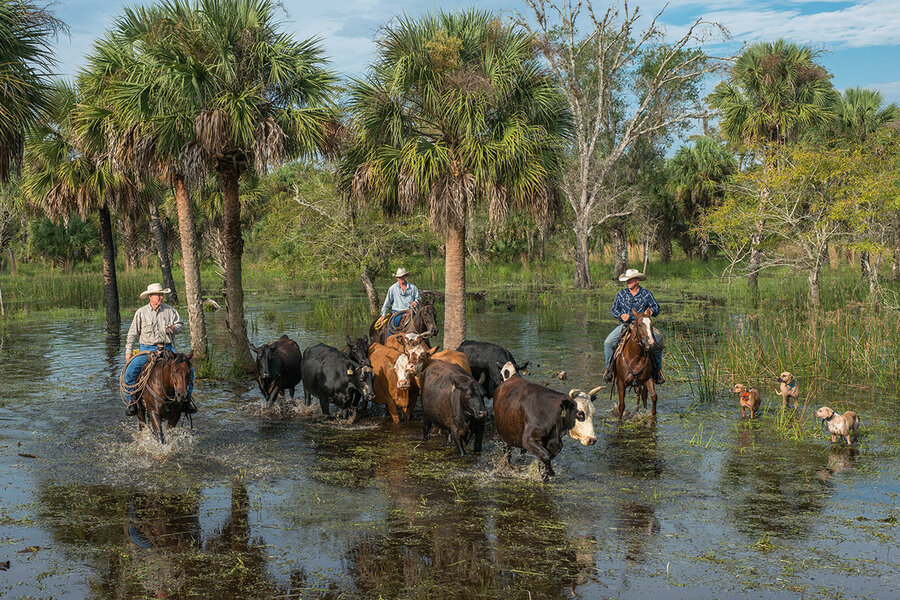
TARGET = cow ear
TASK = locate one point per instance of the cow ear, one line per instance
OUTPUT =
(524, 367)
(349, 341)
(648, 312)
(431, 351)
(481, 379)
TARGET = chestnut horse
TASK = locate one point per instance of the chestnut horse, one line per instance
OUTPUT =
(634, 361)
(422, 319)
(165, 395)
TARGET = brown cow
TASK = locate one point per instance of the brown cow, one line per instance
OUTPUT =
(393, 375)
(535, 418)
(453, 402)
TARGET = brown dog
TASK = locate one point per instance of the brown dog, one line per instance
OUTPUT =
(749, 399)
(789, 389)
(840, 425)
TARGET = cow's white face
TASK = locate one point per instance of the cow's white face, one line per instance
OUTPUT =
(507, 371)
(584, 422)
(404, 370)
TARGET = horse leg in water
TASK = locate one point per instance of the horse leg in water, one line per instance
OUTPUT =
(652, 387)
(620, 383)
(156, 426)
(642, 398)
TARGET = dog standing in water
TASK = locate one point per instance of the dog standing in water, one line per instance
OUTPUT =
(749, 399)
(840, 425)
(789, 388)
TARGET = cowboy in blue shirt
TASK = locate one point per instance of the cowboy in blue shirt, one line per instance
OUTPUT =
(637, 299)
(400, 297)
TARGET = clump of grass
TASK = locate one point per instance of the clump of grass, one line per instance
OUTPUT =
(339, 315)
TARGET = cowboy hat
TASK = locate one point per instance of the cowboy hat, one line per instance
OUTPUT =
(154, 288)
(401, 272)
(632, 274)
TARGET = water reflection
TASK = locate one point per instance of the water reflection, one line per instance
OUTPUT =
(632, 450)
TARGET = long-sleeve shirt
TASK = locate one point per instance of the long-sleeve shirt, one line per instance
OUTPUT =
(397, 300)
(625, 303)
(148, 328)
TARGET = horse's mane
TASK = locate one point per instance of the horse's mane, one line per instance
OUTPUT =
(180, 358)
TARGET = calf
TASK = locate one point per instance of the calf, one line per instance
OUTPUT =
(453, 401)
(332, 376)
(488, 358)
(278, 367)
(535, 418)
(393, 375)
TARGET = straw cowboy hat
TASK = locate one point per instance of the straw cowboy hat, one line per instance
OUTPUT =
(632, 274)
(154, 288)
(401, 272)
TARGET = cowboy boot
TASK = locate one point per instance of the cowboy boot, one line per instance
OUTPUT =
(132, 409)
(610, 373)
(658, 377)
(189, 407)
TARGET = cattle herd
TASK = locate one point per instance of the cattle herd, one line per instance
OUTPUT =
(450, 384)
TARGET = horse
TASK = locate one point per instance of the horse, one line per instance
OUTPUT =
(634, 362)
(422, 319)
(165, 394)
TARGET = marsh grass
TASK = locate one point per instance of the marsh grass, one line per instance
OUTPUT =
(338, 315)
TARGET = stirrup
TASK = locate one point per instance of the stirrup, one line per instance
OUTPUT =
(610, 374)
(131, 410)
(659, 378)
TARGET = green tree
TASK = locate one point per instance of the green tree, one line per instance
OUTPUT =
(696, 175)
(861, 113)
(774, 94)
(64, 244)
(456, 109)
(66, 173)
(26, 62)
(217, 85)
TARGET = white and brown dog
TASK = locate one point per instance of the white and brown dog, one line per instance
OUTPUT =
(749, 399)
(789, 389)
(840, 425)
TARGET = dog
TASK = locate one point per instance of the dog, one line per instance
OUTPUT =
(789, 389)
(749, 399)
(840, 425)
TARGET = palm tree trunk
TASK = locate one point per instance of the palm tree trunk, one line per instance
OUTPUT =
(371, 292)
(130, 240)
(455, 287)
(191, 267)
(162, 250)
(582, 255)
(13, 269)
(110, 285)
(234, 248)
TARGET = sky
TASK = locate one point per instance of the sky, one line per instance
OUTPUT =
(860, 40)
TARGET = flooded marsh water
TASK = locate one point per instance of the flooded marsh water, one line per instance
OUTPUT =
(278, 502)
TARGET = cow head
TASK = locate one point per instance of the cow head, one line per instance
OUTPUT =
(471, 397)
(583, 429)
(363, 378)
(358, 350)
(506, 371)
(268, 370)
(404, 371)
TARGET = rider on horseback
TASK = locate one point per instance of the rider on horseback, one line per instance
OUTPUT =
(400, 297)
(637, 299)
(153, 325)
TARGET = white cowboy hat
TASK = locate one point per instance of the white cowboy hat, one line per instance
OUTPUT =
(401, 272)
(154, 288)
(632, 274)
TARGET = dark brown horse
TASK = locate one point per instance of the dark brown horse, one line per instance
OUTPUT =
(165, 395)
(634, 362)
(422, 319)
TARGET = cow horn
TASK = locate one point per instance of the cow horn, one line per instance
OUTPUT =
(574, 392)
(350, 371)
(595, 390)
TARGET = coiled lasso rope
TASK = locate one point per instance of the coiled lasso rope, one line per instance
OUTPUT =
(129, 394)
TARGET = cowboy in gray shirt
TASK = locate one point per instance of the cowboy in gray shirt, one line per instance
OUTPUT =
(153, 325)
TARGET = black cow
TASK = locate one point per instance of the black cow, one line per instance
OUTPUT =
(358, 350)
(278, 367)
(332, 376)
(489, 359)
(535, 418)
(454, 402)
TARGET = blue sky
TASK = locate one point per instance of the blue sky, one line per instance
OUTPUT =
(861, 39)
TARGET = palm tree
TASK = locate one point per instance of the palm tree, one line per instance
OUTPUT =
(26, 61)
(775, 93)
(456, 108)
(696, 175)
(66, 173)
(861, 112)
(216, 85)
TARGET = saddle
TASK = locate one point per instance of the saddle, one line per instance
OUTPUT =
(401, 326)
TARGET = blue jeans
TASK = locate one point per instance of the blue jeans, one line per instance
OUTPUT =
(612, 340)
(137, 363)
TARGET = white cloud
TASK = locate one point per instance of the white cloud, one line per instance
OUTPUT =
(890, 90)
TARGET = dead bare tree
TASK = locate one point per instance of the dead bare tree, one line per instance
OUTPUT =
(622, 83)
